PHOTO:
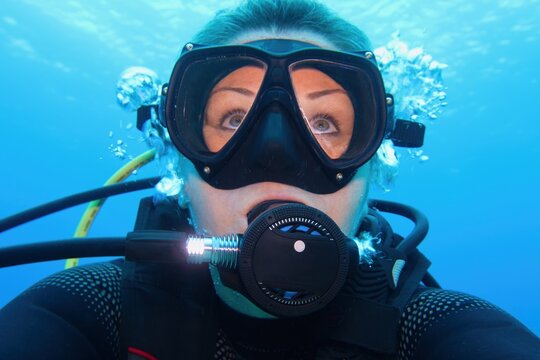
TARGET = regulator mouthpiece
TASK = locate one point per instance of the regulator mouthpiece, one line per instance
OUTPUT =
(292, 260)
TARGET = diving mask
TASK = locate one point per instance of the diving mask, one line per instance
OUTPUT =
(276, 110)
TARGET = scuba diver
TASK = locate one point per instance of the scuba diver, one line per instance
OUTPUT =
(274, 115)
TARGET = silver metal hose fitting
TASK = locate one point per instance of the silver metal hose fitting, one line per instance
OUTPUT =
(217, 250)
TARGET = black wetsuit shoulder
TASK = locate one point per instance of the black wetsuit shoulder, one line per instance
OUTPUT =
(76, 314)
(73, 314)
(443, 325)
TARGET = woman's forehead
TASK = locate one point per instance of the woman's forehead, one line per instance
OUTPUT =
(299, 35)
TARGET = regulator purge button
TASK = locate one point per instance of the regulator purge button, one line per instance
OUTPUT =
(294, 260)
(299, 246)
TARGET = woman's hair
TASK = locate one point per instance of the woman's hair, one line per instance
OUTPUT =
(282, 15)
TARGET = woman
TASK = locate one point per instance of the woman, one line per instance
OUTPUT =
(289, 117)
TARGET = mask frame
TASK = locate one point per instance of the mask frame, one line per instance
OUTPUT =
(310, 168)
(302, 162)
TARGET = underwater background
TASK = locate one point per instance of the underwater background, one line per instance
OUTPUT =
(477, 178)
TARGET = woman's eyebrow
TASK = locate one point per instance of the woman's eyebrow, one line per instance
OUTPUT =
(239, 90)
(317, 94)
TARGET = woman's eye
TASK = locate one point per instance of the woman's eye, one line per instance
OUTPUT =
(233, 119)
(323, 124)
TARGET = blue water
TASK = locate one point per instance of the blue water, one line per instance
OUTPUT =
(60, 62)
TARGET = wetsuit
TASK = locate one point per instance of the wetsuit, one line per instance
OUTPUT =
(89, 313)
(76, 314)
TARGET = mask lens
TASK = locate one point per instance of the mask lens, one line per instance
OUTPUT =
(229, 102)
(214, 98)
(335, 103)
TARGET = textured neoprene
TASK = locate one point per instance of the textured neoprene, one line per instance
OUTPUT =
(75, 314)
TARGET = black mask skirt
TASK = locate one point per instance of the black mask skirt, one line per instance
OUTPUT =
(276, 110)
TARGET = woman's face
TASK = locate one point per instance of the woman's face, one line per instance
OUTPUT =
(328, 113)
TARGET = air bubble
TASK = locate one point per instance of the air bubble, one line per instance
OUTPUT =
(170, 186)
(136, 87)
(415, 80)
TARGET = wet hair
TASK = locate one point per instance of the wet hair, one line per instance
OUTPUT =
(279, 16)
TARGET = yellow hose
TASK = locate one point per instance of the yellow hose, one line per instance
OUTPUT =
(93, 207)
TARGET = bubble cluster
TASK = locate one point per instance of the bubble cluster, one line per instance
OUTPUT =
(136, 87)
(418, 154)
(119, 149)
(170, 185)
(365, 243)
(386, 166)
(414, 78)
(154, 134)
